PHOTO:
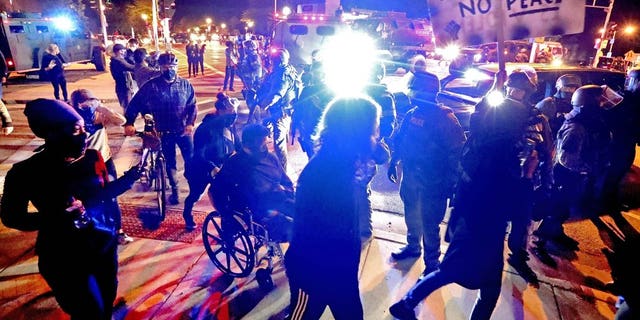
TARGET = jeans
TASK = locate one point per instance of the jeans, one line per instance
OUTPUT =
(169, 142)
(229, 76)
(60, 83)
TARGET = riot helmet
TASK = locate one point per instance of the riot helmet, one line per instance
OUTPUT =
(566, 85)
(587, 96)
(280, 57)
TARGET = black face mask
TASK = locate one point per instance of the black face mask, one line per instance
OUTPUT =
(69, 146)
(169, 74)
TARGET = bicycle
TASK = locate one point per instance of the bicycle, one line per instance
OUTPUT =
(154, 173)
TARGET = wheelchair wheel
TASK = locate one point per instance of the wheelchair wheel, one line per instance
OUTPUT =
(228, 245)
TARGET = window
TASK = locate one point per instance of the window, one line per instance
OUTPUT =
(298, 29)
(325, 31)
(16, 29)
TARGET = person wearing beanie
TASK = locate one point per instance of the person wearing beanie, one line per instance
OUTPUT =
(69, 187)
(428, 145)
(52, 67)
(122, 73)
(97, 117)
(214, 141)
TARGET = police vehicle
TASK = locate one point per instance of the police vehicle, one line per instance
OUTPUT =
(25, 36)
(397, 37)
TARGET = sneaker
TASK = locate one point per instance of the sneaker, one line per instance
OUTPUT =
(190, 227)
(173, 198)
(124, 238)
(400, 310)
(405, 252)
(523, 269)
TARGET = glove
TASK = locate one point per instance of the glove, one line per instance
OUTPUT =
(392, 172)
(133, 174)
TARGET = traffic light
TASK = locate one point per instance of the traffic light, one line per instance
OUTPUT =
(611, 31)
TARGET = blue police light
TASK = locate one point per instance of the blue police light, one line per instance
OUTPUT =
(63, 23)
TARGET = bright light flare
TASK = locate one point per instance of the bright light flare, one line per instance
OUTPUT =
(449, 53)
(495, 98)
(475, 75)
(63, 23)
(193, 37)
(348, 60)
(556, 62)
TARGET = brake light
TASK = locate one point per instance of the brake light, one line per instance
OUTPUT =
(10, 62)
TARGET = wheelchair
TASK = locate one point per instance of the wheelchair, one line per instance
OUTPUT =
(236, 244)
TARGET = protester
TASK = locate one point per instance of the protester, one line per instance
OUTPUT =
(327, 218)
(5, 117)
(214, 141)
(69, 187)
(53, 68)
(172, 102)
(143, 72)
(231, 62)
(121, 72)
(97, 118)
(253, 178)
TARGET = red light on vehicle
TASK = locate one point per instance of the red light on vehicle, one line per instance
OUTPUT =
(321, 18)
(305, 18)
(10, 62)
(313, 18)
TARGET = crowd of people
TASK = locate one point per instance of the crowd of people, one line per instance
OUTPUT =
(566, 154)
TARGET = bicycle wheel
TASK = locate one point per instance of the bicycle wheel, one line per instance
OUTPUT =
(161, 186)
(230, 248)
(146, 179)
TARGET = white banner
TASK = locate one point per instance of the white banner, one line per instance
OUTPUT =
(471, 22)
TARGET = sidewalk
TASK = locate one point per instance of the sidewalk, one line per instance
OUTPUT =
(173, 280)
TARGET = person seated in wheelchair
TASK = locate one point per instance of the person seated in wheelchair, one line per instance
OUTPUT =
(254, 179)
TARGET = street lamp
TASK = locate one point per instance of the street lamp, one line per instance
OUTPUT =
(626, 30)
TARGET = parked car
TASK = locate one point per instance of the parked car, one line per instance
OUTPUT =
(462, 89)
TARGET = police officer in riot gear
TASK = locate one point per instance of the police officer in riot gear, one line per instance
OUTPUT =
(580, 165)
(555, 107)
(624, 122)
(428, 145)
(277, 93)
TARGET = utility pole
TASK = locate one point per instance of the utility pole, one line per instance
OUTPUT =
(103, 22)
(608, 9)
(154, 23)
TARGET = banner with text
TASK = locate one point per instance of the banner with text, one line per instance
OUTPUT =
(471, 22)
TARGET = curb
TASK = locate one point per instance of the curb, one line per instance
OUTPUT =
(25, 101)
